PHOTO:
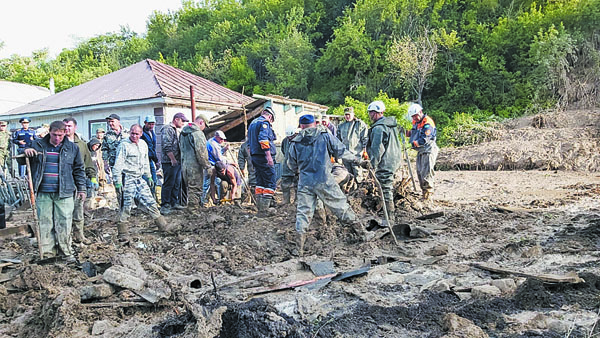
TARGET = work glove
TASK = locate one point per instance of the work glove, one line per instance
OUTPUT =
(95, 184)
(364, 155)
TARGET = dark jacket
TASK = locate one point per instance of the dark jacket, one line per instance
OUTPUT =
(384, 146)
(261, 137)
(90, 168)
(150, 137)
(170, 143)
(71, 171)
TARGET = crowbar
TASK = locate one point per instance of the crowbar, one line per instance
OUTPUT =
(412, 178)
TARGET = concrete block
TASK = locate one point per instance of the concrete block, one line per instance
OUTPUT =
(96, 291)
(122, 277)
(506, 285)
(485, 291)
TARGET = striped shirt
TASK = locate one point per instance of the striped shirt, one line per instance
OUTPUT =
(50, 177)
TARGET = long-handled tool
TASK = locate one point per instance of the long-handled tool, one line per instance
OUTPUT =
(36, 227)
(412, 178)
(385, 211)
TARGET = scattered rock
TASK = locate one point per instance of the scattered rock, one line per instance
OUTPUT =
(216, 255)
(438, 286)
(485, 291)
(456, 269)
(506, 285)
(461, 327)
(419, 232)
(100, 326)
(438, 250)
(96, 291)
(534, 251)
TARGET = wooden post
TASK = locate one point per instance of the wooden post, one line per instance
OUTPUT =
(245, 117)
(193, 103)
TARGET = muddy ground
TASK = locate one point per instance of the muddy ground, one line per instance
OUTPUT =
(228, 273)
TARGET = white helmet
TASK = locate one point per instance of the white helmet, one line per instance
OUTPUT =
(414, 109)
(377, 106)
(290, 130)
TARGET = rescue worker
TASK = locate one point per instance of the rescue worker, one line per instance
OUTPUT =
(194, 158)
(131, 163)
(4, 145)
(354, 134)
(150, 138)
(58, 174)
(245, 165)
(112, 138)
(310, 154)
(230, 182)
(23, 138)
(327, 123)
(90, 173)
(422, 138)
(384, 151)
(171, 162)
(216, 148)
(263, 151)
(289, 179)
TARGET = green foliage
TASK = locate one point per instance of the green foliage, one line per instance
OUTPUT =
(468, 129)
(504, 58)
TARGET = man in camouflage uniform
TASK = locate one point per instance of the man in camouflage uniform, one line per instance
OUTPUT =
(4, 144)
(90, 173)
(194, 158)
(354, 135)
(112, 139)
(131, 163)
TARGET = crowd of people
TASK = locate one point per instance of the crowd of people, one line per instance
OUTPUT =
(321, 160)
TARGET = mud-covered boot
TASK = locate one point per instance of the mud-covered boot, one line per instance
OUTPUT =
(287, 197)
(391, 211)
(123, 232)
(78, 237)
(161, 222)
(300, 244)
(321, 216)
(360, 230)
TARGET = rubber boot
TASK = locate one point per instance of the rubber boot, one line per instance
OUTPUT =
(262, 204)
(78, 237)
(300, 244)
(161, 222)
(287, 197)
(123, 231)
(391, 211)
(321, 216)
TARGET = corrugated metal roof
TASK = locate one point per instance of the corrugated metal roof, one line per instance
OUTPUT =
(143, 80)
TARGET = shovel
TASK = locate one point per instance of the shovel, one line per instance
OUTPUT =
(36, 227)
(412, 178)
(385, 211)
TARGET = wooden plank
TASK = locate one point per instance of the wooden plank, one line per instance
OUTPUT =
(116, 304)
(240, 119)
(571, 277)
(13, 230)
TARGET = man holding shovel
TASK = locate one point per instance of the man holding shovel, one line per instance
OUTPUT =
(58, 175)
(384, 151)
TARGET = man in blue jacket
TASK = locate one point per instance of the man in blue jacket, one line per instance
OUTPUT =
(150, 137)
(422, 138)
(23, 138)
(263, 151)
(58, 174)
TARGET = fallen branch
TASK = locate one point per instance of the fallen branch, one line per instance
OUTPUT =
(116, 304)
(571, 278)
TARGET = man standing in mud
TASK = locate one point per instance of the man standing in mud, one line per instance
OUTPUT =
(354, 134)
(4, 145)
(131, 163)
(194, 158)
(422, 138)
(310, 154)
(112, 138)
(171, 163)
(263, 151)
(90, 173)
(58, 174)
(384, 151)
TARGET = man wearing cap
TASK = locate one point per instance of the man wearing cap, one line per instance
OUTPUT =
(384, 151)
(58, 174)
(330, 126)
(23, 139)
(100, 133)
(116, 133)
(171, 163)
(310, 154)
(90, 173)
(216, 148)
(422, 138)
(230, 182)
(150, 137)
(4, 144)
(194, 158)
(131, 164)
(263, 151)
(354, 134)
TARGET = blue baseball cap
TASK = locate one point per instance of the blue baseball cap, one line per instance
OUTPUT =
(150, 119)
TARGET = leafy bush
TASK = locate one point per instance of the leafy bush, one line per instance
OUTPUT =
(468, 129)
